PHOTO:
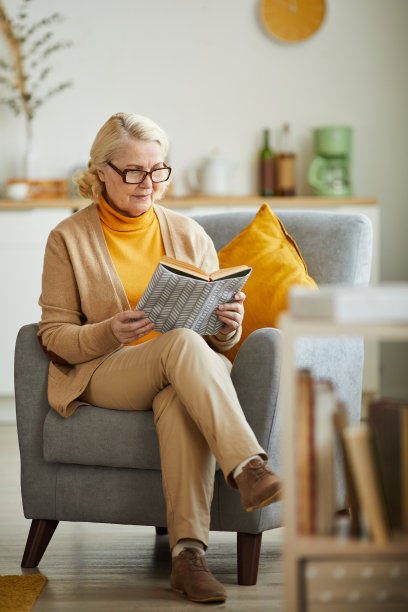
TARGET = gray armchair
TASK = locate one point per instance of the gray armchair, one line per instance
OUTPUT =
(103, 465)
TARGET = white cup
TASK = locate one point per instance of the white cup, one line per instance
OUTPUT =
(17, 191)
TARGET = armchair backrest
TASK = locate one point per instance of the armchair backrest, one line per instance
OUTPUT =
(335, 246)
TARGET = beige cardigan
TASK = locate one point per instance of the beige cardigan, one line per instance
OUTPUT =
(81, 292)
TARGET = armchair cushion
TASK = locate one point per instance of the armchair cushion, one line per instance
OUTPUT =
(276, 263)
(99, 436)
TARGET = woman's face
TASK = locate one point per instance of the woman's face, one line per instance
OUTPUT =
(133, 200)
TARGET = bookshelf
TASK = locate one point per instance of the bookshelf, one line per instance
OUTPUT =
(355, 575)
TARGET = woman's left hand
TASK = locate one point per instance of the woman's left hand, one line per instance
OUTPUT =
(232, 313)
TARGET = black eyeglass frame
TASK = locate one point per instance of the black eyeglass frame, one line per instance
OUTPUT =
(123, 173)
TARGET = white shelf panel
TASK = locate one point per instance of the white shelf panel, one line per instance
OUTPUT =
(325, 327)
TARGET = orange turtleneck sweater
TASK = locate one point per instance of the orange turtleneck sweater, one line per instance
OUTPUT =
(135, 245)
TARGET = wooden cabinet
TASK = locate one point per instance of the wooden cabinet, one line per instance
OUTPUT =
(334, 573)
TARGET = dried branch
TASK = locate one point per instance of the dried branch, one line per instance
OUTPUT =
(12, 103)
(50, 50)
(51, 92)
(20, 73)
(42, 76)
(17, 62)
(54, 18)
(38, 44)
(5, 66)
(7, 82)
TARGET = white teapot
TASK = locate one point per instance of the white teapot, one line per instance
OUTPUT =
(213, 177)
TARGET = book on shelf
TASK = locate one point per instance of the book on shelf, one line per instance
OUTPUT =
(382, 303)
(389, 421)
(315, 454)
(324, 405)
(340, 424)
(182, 295)
(305, 458)
(364, 463)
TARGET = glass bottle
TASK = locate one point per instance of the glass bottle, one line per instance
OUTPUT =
(286, 165)
(267, 168)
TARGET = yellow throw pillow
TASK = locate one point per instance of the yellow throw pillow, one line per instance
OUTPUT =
(276, 265)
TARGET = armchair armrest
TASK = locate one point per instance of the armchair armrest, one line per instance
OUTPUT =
(256, 378)
(30, 381)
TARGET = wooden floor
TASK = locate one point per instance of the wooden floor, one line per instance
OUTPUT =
(114, 568)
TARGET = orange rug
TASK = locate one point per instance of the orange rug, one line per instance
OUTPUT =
(19, 593)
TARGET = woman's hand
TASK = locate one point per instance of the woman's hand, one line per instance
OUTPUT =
(232, 313)
(130, 325)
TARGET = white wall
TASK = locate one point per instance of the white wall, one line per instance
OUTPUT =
(210, 75)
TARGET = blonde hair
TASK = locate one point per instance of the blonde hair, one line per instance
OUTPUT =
(114, 132)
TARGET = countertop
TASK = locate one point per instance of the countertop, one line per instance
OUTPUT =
(192, 201)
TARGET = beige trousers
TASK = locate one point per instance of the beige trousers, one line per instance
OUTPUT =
(197, 416)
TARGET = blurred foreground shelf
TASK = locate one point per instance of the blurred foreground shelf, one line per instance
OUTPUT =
(334, 573)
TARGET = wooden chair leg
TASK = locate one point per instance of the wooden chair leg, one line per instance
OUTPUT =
(41, 532)
(248, 551)
(161, 531)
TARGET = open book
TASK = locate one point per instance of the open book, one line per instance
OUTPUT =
(181, 295)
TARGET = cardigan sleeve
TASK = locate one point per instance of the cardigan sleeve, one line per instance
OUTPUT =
(64, 333)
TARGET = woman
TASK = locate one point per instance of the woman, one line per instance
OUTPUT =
(103, 352)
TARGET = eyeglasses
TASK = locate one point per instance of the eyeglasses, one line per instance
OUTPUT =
(133, 177)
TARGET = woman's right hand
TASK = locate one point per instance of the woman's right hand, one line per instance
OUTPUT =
(130, 325)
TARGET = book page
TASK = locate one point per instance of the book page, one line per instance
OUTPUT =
(189, 269)
(182, 266)
(234, 272)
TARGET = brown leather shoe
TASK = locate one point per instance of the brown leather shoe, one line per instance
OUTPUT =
(191, 575)
(258, 485)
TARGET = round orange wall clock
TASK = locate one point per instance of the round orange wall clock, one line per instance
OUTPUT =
(292, 20)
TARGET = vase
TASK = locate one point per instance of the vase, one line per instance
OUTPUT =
(30, 157)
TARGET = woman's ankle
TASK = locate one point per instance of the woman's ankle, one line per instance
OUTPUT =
(187, 543)
(241, 465)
